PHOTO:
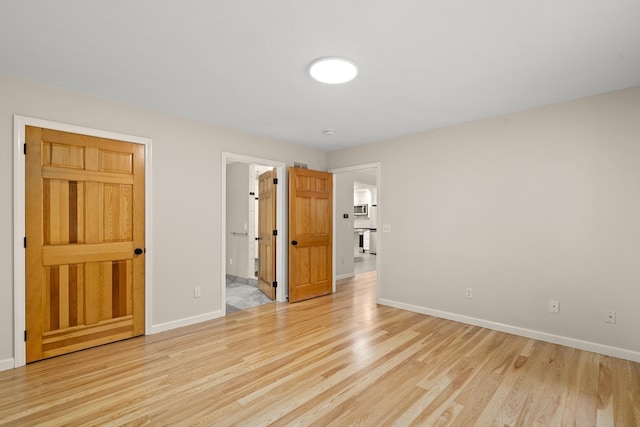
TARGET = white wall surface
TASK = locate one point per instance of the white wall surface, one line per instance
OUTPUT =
(237, 217)
(343, 187)
(526, 207)
(522, 208)
(186, 200)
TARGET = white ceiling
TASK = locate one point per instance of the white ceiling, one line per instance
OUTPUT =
(243, 64)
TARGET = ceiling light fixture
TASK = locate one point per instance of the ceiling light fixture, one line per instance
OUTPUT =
(333, 70)
(329, 132)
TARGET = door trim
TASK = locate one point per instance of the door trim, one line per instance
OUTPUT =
(19, 228)
(281, 238)
(336, 171)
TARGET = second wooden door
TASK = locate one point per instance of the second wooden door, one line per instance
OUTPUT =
(310, 233)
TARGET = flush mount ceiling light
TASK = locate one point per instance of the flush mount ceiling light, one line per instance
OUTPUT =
(333, 70)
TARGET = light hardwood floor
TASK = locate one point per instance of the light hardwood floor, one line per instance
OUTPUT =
(336, 360)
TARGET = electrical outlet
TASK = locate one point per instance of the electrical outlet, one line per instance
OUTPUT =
(197, 292)
(610, 316)
(468, 293)
(554, 306)
(230, 261)
(386, 228)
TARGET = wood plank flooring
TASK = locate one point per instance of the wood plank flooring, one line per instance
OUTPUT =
(337, 360)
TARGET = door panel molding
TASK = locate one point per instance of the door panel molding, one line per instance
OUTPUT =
(267, 223)
(311, 233)
(19, 230)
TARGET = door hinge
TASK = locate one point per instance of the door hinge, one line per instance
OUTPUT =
(275, 284)
(24, 149)
(25, 243)
(275, 181)
(275, 232)
(25, 336)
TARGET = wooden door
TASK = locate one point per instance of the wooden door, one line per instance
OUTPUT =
(266, 237)
(310, 233)
(84, 225)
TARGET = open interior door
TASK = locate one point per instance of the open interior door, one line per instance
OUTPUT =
(266, 233)
(310, 233)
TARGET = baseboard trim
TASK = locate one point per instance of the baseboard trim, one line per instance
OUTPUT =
(621, 353)
(6, 364)
(345, 276)
(161, 327)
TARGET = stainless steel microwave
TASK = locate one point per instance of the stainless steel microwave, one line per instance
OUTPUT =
(361, 210)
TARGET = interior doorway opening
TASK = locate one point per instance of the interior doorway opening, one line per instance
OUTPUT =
(19, 222)
(365, 221)
(241, 231)
(357, 219)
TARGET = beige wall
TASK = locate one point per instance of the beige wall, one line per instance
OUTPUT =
(522, 208)
(187, 173)
(531, 206)
(237, 216)
(343, 243)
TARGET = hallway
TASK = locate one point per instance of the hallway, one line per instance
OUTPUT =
(364, 263)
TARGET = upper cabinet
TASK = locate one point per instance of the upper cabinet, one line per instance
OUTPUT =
(362, 196)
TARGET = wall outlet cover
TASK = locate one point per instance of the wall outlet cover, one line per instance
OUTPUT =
(610, 316)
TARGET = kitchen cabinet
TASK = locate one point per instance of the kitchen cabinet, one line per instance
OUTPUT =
(365, 240)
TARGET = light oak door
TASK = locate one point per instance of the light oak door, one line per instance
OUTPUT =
(266, 238)
(310, 233)
(84, 243)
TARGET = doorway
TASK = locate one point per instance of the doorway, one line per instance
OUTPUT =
(20, 274)
(243, 269)
(357, 237)
(365, 221)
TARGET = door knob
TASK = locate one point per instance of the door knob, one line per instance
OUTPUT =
(294, 242)
(138, 251)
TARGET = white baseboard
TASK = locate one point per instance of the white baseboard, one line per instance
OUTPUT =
(515, 330)
(154, 329)
(6, 364)
(345, 276)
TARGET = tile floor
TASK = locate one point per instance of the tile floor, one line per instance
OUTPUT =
(243, 293)
(364, 263)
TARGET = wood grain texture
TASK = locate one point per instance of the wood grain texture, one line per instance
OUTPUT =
(336, 360)
(310, 226)
(84, 217)
(267, 193)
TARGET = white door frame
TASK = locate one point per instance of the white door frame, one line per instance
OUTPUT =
(281, 238)
(19, 227)
(378, 167)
